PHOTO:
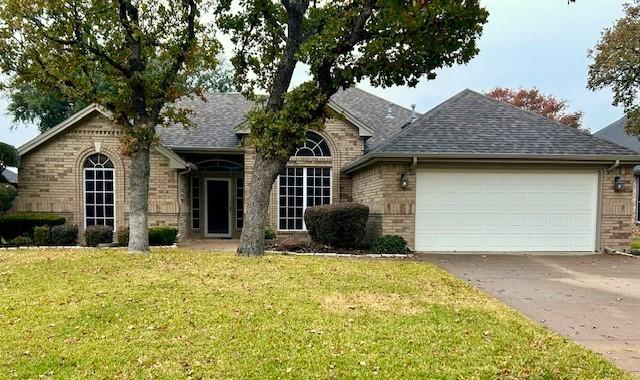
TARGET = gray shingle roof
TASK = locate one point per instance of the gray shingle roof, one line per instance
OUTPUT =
(9, 176)
(373, 111)
(473, 123)
(221, 113)
(215, 119)
(615, 133)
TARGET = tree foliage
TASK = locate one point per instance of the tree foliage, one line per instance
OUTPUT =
(531, 99)
(48, 107)
(616, 64)
(340, 42)
(134, 57)
(8, 156)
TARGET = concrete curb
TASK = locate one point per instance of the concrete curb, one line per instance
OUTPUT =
(76, 247)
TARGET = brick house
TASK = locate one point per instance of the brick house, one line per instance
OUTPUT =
(472, 174)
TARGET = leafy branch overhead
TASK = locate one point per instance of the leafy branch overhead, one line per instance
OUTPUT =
(341, 42)
(616, 64)
(131, 57)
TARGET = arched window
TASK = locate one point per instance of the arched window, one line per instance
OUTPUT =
(99, 191)
(315, 146)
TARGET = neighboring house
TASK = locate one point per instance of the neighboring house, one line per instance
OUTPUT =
(9, 176)
(472, 174)
(615, 133)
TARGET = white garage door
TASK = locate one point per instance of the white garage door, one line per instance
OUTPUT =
(506, 211)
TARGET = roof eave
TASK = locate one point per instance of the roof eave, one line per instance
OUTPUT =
(373, 157)
(43, 137)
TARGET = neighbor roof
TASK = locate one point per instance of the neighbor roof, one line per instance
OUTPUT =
(615, 133)
(9, 176)
(471, 124)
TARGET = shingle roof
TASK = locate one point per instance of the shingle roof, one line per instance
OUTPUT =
(9, 176)
(373, 111)
(615, 133)
(473, 123)
(221, 113)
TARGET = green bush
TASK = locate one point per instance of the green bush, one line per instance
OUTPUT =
(98, 234)
(389, 244)
(162, 235)
(20, 241)
(65, 234)
(122, 236)
(337, 225)
(7, 195)
(157, 236)
(269, 233)
(22, 224)
(41, 235)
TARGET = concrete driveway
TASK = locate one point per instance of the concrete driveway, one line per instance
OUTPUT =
(594, 299)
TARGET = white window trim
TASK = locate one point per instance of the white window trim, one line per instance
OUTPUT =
(637, 198)
(239, 179)
(304, 195)
(84, 197)
(199, 202)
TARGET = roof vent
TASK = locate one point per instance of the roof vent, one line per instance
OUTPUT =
(390, 112)
(413, 113)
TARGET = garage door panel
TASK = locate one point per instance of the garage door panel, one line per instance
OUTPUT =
(506, 211)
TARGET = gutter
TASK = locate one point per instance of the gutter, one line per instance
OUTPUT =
(370, 158)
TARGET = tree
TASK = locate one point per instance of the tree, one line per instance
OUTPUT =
(49, 107)
(132, 57)
(531, 99)
(8, 157)
(7, 195)
(341, 42)
(616, 64)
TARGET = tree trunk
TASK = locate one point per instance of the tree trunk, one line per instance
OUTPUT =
(139, 199)
(265, 172)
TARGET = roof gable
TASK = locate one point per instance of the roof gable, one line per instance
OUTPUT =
(473, 123)
(175, 162)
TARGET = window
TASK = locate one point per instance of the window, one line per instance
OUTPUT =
(299, 188)
(239, 202)
(195, 202)
(315, 146)
(99, 192)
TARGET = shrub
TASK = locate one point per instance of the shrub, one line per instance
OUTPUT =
(7, 195)
(162, 235)
(269, 233)
(122, 236)
(157, 236)
(65, 234)
(22, 224)
(337, 225)
(41, 235)
(98, 234)
(22, 240)
(389, 244)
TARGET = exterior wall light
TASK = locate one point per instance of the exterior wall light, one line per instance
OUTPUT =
(404, 181)
(618, 183)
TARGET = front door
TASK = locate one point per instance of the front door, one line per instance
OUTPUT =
(218, 210)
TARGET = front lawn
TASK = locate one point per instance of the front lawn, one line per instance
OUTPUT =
(190, 314)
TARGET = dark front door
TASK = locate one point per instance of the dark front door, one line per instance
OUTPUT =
(218, 207)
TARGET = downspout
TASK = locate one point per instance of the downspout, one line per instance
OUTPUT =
(615, 165)
(414, 162)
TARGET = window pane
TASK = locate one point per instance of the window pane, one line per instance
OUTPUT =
(99, 174)
(108, 186)
(108, 174)
(99, 185)
(89, 174)
(90, 211)
(90, 186)
(90, 198)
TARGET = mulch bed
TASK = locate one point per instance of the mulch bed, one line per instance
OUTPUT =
(298, 246)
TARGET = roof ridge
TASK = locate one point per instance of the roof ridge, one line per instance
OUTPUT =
(432, 112)
(377, 97)
(573, 130)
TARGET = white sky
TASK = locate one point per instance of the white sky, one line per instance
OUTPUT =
(526, 43)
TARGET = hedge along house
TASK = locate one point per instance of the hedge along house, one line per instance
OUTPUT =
(472, 174)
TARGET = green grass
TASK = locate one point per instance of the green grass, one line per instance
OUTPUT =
(635, 244)
(188, 314)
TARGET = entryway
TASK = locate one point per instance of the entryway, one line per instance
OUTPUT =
(218, 207)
